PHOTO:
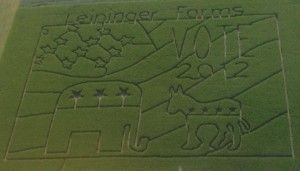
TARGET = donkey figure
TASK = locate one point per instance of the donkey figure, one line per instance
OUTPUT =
(224, 115)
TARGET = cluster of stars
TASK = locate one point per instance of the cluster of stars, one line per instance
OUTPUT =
(111, 46)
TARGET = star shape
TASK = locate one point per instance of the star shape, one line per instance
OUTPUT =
(45, 31)
(191, 109)
(76, 94)
(100, 93)
(99, 28)
(67, 64)
(80, 52)
(100, 63)
(60, 41)
(205, 109)
(105, 31)
(72, 27)
(48, 49)
(123, 92)
(232, 109)
(219, 109)
(92, 41)
(39, 60)
(126, 40)
(115, 52)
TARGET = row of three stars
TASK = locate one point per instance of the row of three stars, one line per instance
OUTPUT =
(217, 110)
(100, 93)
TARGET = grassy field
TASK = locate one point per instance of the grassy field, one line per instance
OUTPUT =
(154, 85)
(7, 13)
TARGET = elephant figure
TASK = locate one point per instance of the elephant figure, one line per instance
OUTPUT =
(111, 109)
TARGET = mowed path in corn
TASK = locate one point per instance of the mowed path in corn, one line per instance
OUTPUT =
(8, 10)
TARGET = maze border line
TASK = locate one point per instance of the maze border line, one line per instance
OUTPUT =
(292, 155)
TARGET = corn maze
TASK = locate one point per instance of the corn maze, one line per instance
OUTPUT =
(106, 82)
